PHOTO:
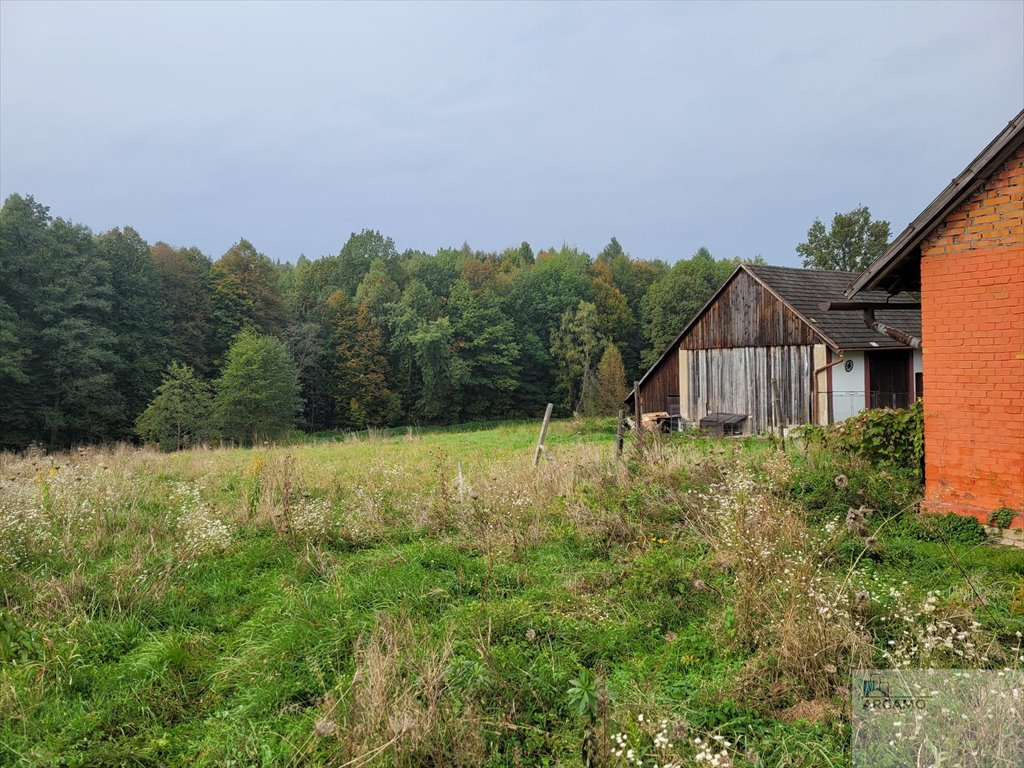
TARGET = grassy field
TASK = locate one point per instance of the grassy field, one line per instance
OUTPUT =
(429, 599)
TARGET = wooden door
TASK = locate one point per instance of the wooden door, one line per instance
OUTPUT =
(890, 378)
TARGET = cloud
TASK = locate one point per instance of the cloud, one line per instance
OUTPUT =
(667, 125)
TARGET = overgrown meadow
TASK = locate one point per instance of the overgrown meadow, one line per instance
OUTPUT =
(431, 599)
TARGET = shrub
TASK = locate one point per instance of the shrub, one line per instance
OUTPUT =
(1002, 517)
(958, 528)
(883, 436)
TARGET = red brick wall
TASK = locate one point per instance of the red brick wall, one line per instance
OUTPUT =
(972, 278)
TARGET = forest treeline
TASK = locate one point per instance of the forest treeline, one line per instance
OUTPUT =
(93, 326)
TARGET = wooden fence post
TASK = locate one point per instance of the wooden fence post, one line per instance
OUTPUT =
(543, 431)
(639, 413)
(618, 435)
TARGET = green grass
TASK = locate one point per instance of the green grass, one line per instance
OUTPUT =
(125, 648)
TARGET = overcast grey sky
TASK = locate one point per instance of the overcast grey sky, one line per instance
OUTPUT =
(670, 126)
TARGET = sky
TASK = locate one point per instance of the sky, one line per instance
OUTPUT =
(669, 126)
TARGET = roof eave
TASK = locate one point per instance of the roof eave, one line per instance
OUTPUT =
(905, 246)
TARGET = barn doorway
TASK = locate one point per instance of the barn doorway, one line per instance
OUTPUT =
(890, 375)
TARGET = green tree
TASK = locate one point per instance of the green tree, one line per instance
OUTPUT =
(255, 278)
(378, 292)
(231, 312)
(849, 245)
(615, 320)
(138, 320)
(485, 342)
(66, 311)
(609, 388)
(184, 284)
(442, 372)
(257, 395)
(538, 298)
(414, 311)
(438, 272)
(575, 348)
(346, 270)
(179, 415)
(673, 300)
(634, 278)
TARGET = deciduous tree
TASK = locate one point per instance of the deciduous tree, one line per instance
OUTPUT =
(849, 245)
(674, 299)
(258, 392)
(575, 348)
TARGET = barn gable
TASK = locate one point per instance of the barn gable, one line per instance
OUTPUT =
(746, 313)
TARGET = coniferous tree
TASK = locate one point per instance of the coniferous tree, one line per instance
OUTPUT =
(363, 366)
(184, 283)
(609, 388)
(138, 320)
(340, 315)
(180, 414)
(77, 349)
(25, 240)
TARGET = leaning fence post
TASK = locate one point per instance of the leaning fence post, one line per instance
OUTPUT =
(618, 434)
(543, 431)
(778, 414)
(639, 413)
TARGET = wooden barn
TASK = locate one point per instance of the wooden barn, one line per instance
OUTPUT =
(762, 354)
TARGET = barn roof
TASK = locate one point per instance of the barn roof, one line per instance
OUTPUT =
(802, 290)
(899, 265)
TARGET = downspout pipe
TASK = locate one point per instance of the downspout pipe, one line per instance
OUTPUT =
(888, 330)
(869, 307)
(814, 383)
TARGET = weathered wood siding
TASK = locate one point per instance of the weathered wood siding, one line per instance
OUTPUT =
(747, 314)
(740, 381)
(662, 382)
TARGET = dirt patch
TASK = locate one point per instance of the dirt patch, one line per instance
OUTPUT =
(816, 712)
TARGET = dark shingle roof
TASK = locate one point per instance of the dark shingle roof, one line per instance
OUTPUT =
(805, 289)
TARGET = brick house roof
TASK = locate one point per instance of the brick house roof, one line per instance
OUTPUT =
(898, 268)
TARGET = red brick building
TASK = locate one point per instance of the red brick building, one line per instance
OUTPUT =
(965, 254)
